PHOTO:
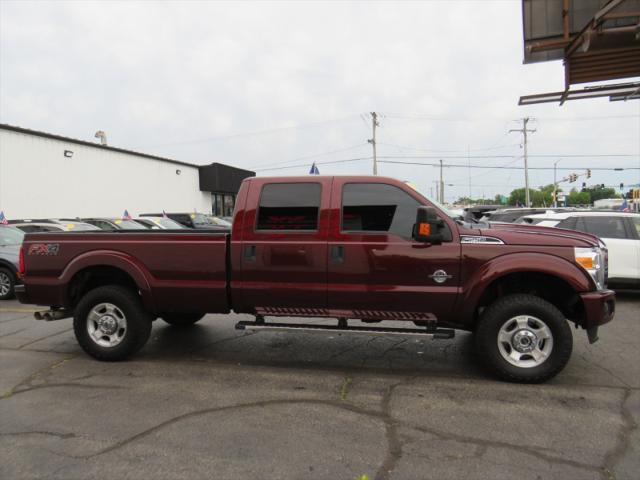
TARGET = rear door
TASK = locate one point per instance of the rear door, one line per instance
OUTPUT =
(283, 247)
(620, 241)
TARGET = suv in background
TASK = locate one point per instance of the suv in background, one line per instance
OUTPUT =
(620, 231)
(194, 220)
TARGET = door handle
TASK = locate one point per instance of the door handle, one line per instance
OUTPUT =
(250, 253)
(337, 254)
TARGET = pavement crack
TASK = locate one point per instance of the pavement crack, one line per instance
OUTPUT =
(62, 436)
(608, 371)
(394, 444)
(482, 444)
(45, 338)
(613, 457)
(374, 414)
(43, 373)
(13, 333)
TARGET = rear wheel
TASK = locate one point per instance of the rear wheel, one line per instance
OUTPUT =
(523, 338)
(182, 319)
(7, 282)
(110, 323)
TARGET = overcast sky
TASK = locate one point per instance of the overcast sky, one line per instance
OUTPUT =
(266, 85)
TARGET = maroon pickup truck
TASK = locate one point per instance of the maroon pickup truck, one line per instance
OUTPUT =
(359, 250)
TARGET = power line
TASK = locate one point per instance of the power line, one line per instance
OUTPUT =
(503, 167)
(252, 134)
(306, 157)
(346, 160)
(545, 155)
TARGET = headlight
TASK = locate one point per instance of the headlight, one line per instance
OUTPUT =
(593, 261)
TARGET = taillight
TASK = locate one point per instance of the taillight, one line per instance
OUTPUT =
(21, 261)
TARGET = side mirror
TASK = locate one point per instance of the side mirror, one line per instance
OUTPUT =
(427, 228)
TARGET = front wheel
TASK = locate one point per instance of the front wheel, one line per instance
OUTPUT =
(110, 323)
(523, 338)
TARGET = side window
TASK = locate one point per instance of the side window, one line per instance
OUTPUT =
(636, 222)
(289, 206)
(568, 223)
(376, 207)
(606, 227)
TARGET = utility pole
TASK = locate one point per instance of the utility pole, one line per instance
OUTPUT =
(555, 185)
(524, 132)
(372, 141)
(441, 185)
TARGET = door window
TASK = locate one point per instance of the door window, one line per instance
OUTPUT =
(376, 207)
(289, 206)
(604, 227)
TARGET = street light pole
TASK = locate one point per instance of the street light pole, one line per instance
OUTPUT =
(555, 187)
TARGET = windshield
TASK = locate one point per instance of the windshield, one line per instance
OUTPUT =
(11, 236)
(168, 223)
(220, 222)
(129, 225)
(436, 203)
(79, 227)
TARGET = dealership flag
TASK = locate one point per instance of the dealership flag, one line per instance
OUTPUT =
(126, 216)
(314, 170)
(3, 219)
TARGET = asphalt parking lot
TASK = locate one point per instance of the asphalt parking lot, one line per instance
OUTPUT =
(213, 402)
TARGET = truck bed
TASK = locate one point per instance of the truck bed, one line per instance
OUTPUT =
(174, 271)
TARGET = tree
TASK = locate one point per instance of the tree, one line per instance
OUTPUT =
(597, 192)
(578, 198)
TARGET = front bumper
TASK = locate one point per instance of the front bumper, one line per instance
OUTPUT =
(599, 308)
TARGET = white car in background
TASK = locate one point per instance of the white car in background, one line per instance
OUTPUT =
(619, 231)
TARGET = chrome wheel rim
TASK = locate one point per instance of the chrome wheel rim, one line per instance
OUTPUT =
(106, 325)
(5, 284)
(525, 341)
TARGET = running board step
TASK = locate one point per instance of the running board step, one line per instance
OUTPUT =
(440, 333)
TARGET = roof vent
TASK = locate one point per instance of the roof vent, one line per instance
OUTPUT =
(102, 136)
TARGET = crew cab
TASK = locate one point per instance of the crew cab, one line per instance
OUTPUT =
(359, 250)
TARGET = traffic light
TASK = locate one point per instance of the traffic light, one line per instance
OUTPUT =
(621, 186)
(584, 186)
(588, 173)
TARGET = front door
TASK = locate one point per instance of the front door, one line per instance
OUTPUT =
(375, 268)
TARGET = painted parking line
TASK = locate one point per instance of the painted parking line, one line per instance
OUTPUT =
(19, 310)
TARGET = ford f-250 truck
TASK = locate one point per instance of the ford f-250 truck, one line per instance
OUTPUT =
(362, 249)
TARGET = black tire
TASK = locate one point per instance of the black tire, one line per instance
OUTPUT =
(127, 303)
(7, 284)
(501, 314)
(182, 319)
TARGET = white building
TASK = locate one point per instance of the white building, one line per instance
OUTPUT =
(49, 176)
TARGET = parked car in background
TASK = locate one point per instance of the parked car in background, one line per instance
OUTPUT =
(619, 231)
(159, 223)
(46, 225)
(475, 213)
(114, 224)
(512, 215)
(220, 222)
(192, 220)
(10, 242)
